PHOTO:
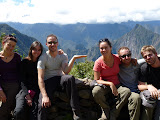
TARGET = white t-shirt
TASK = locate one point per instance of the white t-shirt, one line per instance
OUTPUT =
(52, 66)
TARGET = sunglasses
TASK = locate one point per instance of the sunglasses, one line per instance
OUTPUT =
(13, 39)
(124, 56)
(103, 40)
(11, 36)
(53, 42)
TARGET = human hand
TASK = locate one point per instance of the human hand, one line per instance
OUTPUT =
(154, 91)
(2, 96)
(46, 102)
(79, 56)
(29, 100)
(114, 89)
(60, 51)
(134, 61)
(1, 55)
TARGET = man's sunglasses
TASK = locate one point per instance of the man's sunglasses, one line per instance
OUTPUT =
(54, 42)
(124, 56)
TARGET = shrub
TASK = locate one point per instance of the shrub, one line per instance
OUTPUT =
(83, 70)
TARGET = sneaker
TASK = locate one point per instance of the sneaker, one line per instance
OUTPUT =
(105, 114)
(77, 115)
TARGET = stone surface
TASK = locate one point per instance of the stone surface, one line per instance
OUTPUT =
(61, 109)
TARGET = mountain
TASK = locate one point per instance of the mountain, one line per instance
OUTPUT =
(92, 53)
(72, 35)
(136, 38)
(154, 26)
(24, 41)
(83, 38)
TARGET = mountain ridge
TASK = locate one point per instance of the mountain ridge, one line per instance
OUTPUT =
(24, 41)
(134, 37)
(74, 34)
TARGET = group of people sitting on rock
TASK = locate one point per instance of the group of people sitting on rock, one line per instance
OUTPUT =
(130, 83)
(27, 86)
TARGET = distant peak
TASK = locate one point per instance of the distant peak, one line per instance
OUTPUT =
(137, 26)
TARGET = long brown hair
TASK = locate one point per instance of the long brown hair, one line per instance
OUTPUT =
(33, 45)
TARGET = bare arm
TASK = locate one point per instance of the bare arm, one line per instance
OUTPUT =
(142, 86)
(2, 96)
(45, 99)
(153, 90)
(97, 78)
(107, 83)
(69, 66)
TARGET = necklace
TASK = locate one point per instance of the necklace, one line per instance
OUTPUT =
(8, 56)
(5, 57)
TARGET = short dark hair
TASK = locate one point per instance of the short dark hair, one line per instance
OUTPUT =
(123, 48)
(52, 35)
(105, 40)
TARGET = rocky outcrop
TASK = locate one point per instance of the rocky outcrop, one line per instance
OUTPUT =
(61, 109)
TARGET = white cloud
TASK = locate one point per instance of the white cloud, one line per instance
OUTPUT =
(73, 11)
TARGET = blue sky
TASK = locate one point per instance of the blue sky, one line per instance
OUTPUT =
(83, 11)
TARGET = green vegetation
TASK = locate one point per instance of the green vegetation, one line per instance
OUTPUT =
(24, 41)
(83, 70)
(2, 35)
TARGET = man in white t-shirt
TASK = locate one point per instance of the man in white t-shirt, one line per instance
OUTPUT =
(51, 68)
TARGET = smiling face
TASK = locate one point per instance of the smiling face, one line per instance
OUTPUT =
(125, 56)
(52, 44)
(9, 45)
(36, 52)
(105, 49)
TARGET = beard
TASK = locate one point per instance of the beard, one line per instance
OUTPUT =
(53, 49)
(151, 61)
